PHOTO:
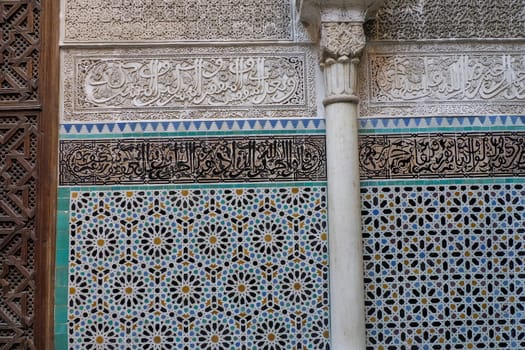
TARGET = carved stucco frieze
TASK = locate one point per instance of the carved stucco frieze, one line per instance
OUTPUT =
(443, 79)
(189, 83)
(431, 19)
(178, 20)
(342, 39)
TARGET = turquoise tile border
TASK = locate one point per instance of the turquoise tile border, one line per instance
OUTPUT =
(190, 186)
(191, 128)
(188, 134)
(61, 272)
(452, 181)
(437, 124)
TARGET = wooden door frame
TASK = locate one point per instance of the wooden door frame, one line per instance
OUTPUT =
(49, 78)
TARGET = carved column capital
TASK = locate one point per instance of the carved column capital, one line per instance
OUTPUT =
(340, 25)
(340, 80)
(340, 39)
(335, 16)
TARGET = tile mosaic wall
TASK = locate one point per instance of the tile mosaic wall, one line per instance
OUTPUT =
(444, 257)
(211, 264)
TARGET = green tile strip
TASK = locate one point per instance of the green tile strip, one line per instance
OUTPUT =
(430, 182)
(449, 129)
(188, 134)
(61, 273)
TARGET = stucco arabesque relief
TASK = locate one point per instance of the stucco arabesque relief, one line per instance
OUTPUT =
(340, 39)
(191, 82)
(90, 21)
(442, 78)
(445, 19)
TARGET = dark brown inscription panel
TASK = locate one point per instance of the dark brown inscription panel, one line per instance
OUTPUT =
(442, 155)
(188, 160)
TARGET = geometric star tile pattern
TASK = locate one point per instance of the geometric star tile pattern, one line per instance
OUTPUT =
(207, 268)
(444, 266)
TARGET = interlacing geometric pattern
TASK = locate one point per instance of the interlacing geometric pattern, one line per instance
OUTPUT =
(18, 153)
(444, 266)
(19, 50)
(431, 19)
(207, 268)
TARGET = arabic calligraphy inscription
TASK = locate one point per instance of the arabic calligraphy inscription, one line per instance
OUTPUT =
(187, 160)
(442, 155)
(200, 82)
(191, 81)
(407, 78)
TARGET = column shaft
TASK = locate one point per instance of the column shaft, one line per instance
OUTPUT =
(344, 206)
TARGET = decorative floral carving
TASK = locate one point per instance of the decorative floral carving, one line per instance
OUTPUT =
(178, 20)
(429, 19)
(342, 39)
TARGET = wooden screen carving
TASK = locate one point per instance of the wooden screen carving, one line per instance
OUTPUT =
(18, 148)
(20, 110)
(20, 50)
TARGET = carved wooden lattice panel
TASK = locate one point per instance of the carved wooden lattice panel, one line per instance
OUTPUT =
(20, 50)
(18, 151)
(19, 88)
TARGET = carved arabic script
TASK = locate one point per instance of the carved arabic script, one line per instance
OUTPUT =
(186, 160)
(185, 82)
(446, 155)
(400, 78)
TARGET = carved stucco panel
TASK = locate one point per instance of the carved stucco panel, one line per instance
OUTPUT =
(180, 20)
(442, 79)
(342, 39)
(198, 82)
(431, 19)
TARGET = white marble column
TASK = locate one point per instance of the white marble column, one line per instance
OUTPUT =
(344, 204)
(340, 23)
